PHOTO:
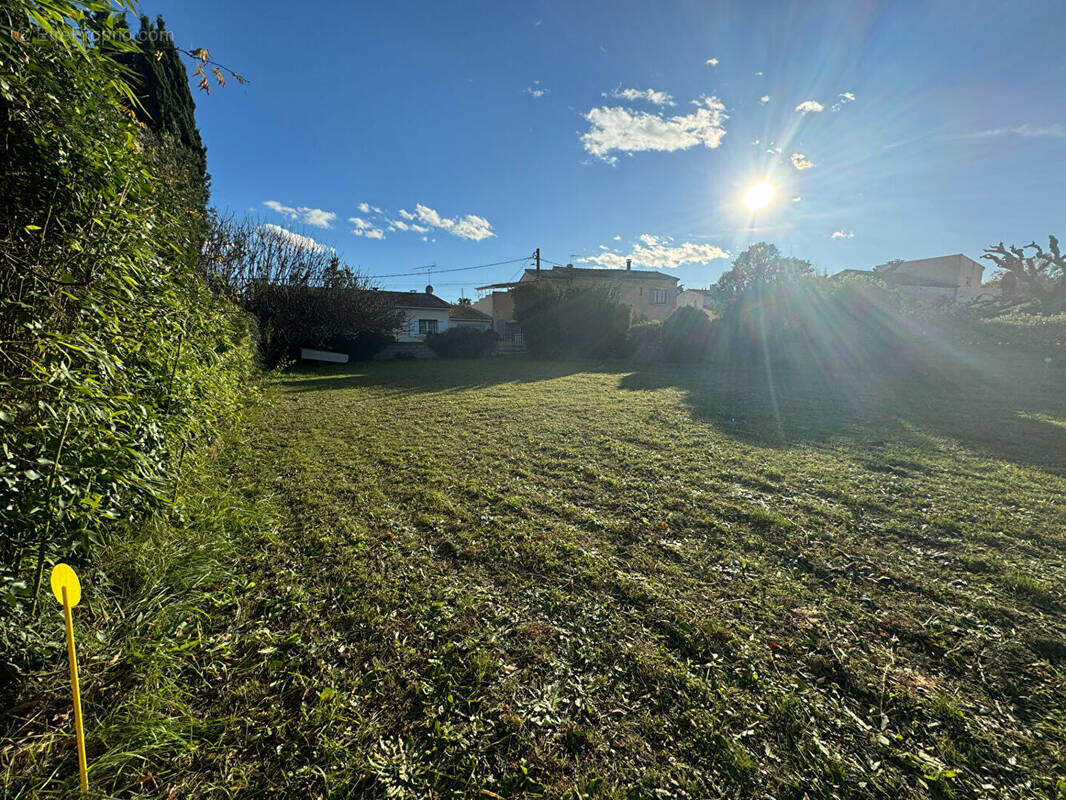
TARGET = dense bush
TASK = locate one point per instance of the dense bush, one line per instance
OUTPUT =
(360, 346)
(119, 355)
(856, 326)
(572, 321)
(1038, 333)
(645, 342)
(462, 342)
(298, 291)
(686, 335)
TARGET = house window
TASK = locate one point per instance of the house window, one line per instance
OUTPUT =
(659, 297)
(427, 326)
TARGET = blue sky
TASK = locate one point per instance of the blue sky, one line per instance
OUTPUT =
(466, 133)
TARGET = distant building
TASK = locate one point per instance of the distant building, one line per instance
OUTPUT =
(697, 298)
(651, 295)
(424, 313)
(464, 315)
(954, 279)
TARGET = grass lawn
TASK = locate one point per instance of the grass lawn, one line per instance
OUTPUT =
(532, 579)
(505, 578)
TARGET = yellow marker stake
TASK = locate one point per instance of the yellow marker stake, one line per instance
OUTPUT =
(67, 590)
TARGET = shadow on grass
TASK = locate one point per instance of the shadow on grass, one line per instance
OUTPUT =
(1013, 409)
(433, 375)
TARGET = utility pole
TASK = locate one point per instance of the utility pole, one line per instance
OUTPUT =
(536, 257)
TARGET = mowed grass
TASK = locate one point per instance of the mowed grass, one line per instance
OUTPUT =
(505, 578)
(523, 579)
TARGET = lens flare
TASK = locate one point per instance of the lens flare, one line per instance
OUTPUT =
(759, 195)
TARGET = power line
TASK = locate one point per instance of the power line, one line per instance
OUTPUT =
(431, 267)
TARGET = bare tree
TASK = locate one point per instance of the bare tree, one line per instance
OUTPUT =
(1039, 275)
(298, 290)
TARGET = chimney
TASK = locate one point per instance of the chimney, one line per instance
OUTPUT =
(429, 289)
(629, 264)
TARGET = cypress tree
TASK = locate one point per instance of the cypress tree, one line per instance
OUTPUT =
(162, 86)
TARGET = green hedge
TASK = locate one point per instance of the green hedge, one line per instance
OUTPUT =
(119, 355)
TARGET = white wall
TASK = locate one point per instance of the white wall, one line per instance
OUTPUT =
(409, 331)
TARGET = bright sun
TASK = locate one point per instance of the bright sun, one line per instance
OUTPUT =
(758, 195)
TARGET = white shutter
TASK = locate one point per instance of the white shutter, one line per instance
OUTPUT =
(414, 327)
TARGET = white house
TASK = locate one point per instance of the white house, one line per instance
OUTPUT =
(423, 313)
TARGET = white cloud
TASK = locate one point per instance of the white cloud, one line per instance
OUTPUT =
(536, 90)
(659, 252)
(842, 235)
(364, 207)
(764, 99)
(844, 99)
(651, 95)
(623, 130)
(617, 238)
(366, 228)
(1049, 131)
(308, 216)
(807, 106)
(800, 161)
(469, 227)
(796, 199)
(758, 74)
(287, 237)
(712, 62)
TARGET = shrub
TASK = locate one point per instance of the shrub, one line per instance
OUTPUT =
(361, 346)
(645, 342)
(572, 321)
(830, 326)
(301, 295)
(462, 342)
(686, 335)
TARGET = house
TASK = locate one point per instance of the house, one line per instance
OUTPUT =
(954, 279)
(423, 313)
(499, 307)
(651, 295)
(697, 298)
(464, 315)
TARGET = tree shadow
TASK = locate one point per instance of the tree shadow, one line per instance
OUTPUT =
(432, 375)
(1012, 408)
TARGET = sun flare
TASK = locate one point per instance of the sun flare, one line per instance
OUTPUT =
(758, 195)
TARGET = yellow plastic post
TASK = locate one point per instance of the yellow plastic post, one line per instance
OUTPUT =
(67, 589)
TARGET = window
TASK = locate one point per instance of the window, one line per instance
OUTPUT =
(659, 297)
(427, 326)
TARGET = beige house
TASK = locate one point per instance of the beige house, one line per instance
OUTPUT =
(953, 279)
(651, 295)
(696, 298)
